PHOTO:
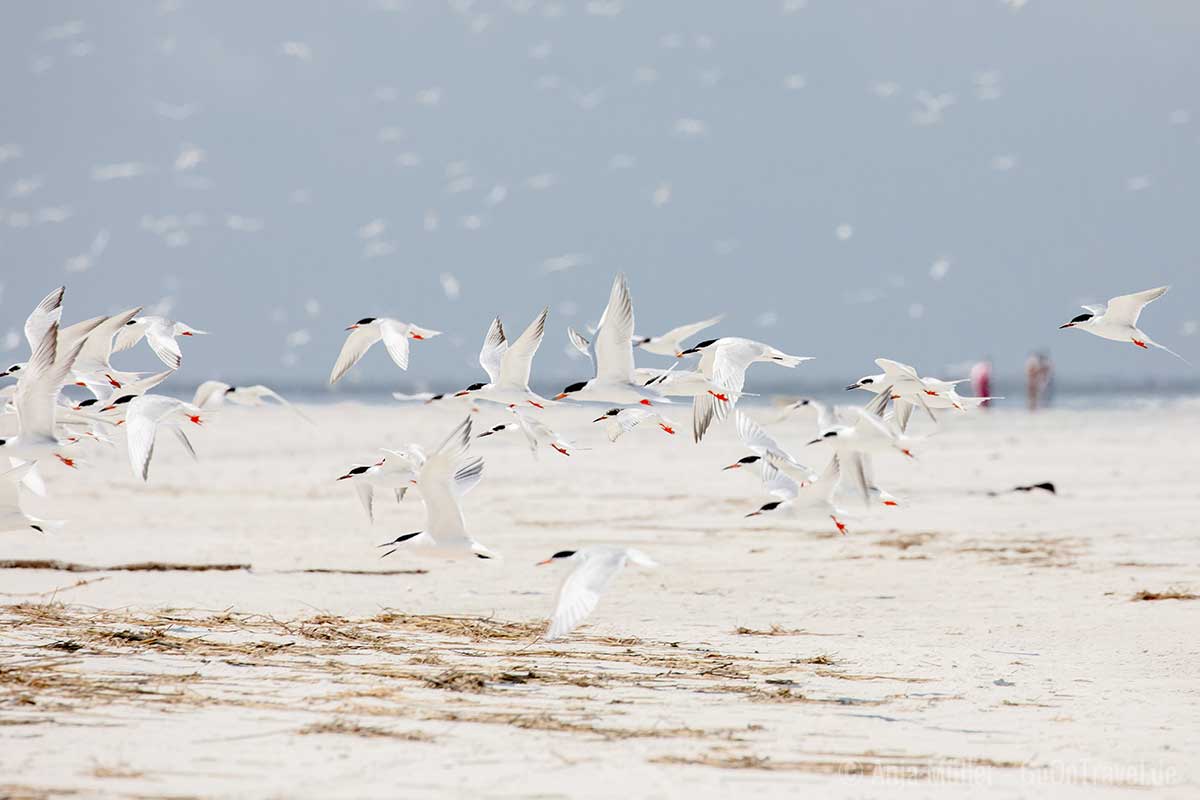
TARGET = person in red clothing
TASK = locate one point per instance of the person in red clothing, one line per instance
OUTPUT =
(981, 380)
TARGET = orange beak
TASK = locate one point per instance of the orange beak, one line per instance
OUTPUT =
(107, 408)
(543, 563)
(560, 395)
(352, 328)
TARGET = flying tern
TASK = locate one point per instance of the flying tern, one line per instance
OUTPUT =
(1119, 318)
(671, 342)
(445, 532)
(615, 381)
(594, 569)
(369, 330)
(159, 333)
(508, 365)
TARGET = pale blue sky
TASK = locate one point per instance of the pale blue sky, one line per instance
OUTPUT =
(1062, 169)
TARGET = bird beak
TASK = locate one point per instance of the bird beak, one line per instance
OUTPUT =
(352, 328)
(732, 466)
(388, 553)
(599, 419)
(754, 514)
(463, 393)
(909, 454)
(543, 563)
(1068, 325)
(686, 353)
(485, 433)
(815, 441)
(559, 396)
(344, 477)
(853, 386)
(107, 408)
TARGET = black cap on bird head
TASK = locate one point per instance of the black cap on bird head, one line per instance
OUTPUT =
(561, 554)
(612, 412)
(574, 387)
(1077, 320)
(699, 347)
(741, 462)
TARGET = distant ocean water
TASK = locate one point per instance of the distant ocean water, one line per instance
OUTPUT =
(1074, 394)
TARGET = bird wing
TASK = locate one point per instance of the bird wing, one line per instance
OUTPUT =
(614, 348)
(580, 591)
(183, 440)
(131, 334)
(395, 339)
(208, 392)
(443, 518)
(366, 496)
(516, 362)
(730, 362)
(98, 340)
(162, 342)
(528, 430)
(46, 313)
(494, 346)
(468, 477)
(141, 425)
(758, 440)
(878, 403)
(1128, 307)
(856, 473)
(895, 369)
(777, 483)
(579, 342)
(355, 347)
(260, 391)
(36, 396)
(677, 335)
(704, 411)
(10, 479)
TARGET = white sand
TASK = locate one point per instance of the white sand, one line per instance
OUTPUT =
(982, 646)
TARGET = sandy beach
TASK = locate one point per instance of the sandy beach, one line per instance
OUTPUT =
(994, 646)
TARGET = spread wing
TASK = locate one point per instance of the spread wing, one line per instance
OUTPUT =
(614, 348)
(37, 392)
(779, 484)
(209, 392)
(1128, 307)
(494, 346)
(130, 335)
(758, 440)
(47, 313)
(516, 362)
(395, 339)
(580, 591)
(366, 495)
(895, 369)
(141, 424)
(443, 518)
(98, 341)
(162, 341)
(356, 346)
(677, 335)
(579, 342)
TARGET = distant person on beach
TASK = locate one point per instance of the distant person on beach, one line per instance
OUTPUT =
(1039, 380)
(981, 380)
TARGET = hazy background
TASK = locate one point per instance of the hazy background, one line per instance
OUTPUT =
(931, 181)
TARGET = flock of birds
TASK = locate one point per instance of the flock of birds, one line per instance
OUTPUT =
(48, 425)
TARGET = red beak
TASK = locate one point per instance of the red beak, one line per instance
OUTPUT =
(352, 327)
